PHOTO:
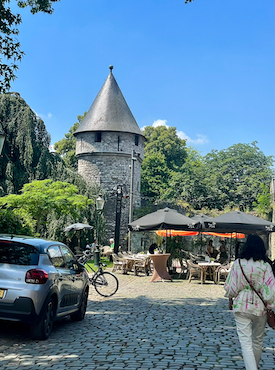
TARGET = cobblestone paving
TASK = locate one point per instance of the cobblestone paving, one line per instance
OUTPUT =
(164, 325)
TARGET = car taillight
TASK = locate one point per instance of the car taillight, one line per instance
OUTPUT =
(36, 276)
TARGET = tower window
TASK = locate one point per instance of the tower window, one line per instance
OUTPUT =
(136, 140)
(118, 142)
(98, 137)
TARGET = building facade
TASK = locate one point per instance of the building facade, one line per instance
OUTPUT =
(108, 142)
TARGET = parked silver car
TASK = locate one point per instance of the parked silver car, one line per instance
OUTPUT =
(40, 281)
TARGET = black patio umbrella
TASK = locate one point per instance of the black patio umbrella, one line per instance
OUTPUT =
(163, 219)
(238, 221)
(202, 219)
(78, 227)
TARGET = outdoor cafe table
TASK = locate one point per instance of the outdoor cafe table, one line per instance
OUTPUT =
(208, 265)
(160, 267)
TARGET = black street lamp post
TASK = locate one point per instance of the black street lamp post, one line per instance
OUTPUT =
(99, 207)
(119, 196)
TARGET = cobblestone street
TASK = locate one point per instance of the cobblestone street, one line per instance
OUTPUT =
(165, 325)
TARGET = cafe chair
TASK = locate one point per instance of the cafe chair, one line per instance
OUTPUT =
(105, 251)
(142, 265)
(183, 269)
(194, 271)
(119, 263)
(223, 271)
(193, 258)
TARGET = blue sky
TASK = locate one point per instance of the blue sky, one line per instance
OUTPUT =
(207, 68)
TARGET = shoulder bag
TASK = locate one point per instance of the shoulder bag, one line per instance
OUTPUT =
(269, 312)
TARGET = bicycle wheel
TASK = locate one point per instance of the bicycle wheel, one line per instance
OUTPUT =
(106, 284)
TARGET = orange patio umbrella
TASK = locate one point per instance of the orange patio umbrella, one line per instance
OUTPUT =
(189, 233)
(227, 235)
(176, 232)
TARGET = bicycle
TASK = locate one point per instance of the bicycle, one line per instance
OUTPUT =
(104, 282)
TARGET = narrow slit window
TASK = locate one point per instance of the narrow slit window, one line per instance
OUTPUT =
(136, 140)
(98, 137)
(118, 142)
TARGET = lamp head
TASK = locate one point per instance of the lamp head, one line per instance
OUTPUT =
(99, 203)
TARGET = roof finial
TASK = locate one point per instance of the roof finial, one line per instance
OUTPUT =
(111, 68)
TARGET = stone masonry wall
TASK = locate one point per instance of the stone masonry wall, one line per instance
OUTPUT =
(108, 163)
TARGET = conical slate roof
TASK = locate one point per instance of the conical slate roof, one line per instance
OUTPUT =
(109, 111)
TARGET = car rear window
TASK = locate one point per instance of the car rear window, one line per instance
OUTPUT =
(15, 253)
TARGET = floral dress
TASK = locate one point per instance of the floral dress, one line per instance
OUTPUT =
(260, 274)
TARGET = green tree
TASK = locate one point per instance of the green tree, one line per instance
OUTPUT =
(235, 175)
(66, 146)
(189, 186)
(164, 155)
(40, 198)
(10, 47)
(25, 155)
(263, 205)
(12, 223)
(154, 175)
(165, 141)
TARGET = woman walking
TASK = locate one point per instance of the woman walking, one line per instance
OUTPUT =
(248, 308)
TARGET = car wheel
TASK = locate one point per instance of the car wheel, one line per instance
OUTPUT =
(43, 328)
(80, 314)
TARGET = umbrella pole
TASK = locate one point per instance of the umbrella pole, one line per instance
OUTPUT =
(79, 240)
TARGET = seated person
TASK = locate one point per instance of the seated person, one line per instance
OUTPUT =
(112, 244)
(223, 257)
(210, 250)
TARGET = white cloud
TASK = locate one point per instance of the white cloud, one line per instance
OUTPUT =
(200, 140)
(160, 122)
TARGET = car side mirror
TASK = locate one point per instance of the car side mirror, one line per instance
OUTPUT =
(80, 267)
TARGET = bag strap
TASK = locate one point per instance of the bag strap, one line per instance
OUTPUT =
(251, 286)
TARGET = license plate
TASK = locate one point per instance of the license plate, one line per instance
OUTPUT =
(2, 291)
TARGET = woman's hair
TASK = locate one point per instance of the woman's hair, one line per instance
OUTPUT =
(253, 248)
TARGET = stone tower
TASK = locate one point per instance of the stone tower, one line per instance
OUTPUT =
(106, 139)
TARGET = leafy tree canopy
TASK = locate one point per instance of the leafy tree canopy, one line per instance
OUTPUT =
(155, 175)
(39, 198)
(189, 186)
(263, 205)
(11, 223)
(237, 177)
(165, 141)
(25, 155)
(10, 48)
(235, 174)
